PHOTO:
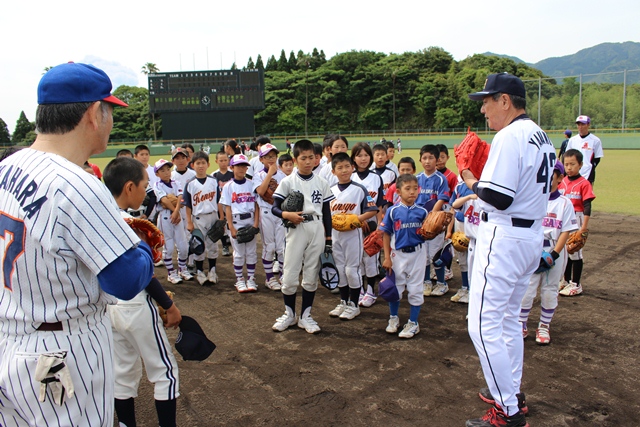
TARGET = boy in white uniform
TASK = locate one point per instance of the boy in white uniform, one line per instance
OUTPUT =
(241, 210)
(305, 242)
(170, 222)
(271, 228)
(201, 197)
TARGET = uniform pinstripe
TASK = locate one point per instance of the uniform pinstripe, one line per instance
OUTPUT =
(67, 228)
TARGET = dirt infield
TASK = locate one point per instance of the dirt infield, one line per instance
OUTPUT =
(353, 373)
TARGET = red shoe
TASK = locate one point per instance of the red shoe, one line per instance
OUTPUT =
(486, 397)
(495, 417)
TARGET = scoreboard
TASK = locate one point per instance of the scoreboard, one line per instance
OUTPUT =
(201, 91)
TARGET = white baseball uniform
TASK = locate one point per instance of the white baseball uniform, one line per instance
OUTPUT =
(202, 196)
(181, 178)
(559, 218)
(305, 243)
(327, 173)
(60, 228)
(375, 186)
(271, 229)
(591, 148)
(174, 234)
(350, 198)
(138, 333)
(507, 252)
(240, 197)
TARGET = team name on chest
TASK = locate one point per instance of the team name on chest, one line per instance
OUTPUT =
(552, 221)
(343, 207)
(203, 197)
(242, 198)
(15, 181)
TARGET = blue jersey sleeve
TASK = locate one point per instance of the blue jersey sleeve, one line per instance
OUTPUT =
(387, 224)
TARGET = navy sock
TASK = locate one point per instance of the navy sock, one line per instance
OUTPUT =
(166, 410)
(126, 412)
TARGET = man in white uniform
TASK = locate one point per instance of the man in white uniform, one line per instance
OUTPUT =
(590, 146)
(65, 249)
(513, 191)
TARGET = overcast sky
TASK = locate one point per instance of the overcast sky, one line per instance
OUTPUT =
(121, 36)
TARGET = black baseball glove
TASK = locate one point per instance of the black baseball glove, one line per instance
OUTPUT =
(294, 202)
(246, 234)
(216, 232)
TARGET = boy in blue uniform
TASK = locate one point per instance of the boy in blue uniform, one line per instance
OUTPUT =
(402, 247)
(434, 193)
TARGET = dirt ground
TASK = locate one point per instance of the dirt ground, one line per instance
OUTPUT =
(353, 373)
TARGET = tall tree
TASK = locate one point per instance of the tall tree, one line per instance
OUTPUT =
(272, 64)
(23, 127)
(234, 66)
(291, 63)
(132, 123)
(250, 64)
(5, 137)
(149, 68)
(259, 63)
(283, 64)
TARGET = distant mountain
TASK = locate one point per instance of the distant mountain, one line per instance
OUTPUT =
(602, 58)
(513, 58)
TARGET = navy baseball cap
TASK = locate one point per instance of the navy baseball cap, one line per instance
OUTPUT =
(568, 132)
(387, 289)
(500, 83)
(192, 343)
(74, 82)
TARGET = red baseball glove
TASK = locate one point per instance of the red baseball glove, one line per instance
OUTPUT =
(435, 223)
(150, 234)
(373, 243)
(472, 154)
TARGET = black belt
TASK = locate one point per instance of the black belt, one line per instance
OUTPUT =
(516, 222)
(57, 326)
(243, 215)
(411, 249)
(309, 217)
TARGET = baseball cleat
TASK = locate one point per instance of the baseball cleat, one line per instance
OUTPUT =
(572, 289)
(273, 284)
(307, 323)
(226, 251)
(448, 274)
(495, 417)
(185, 274)
(174, 278)
(525, 331)
(462, 296)
(251, 285)
(283, 322)
(241, 286)
(394, 324)
(542, 334)
(276, 267)
(439, 289)
(428, 286)
(212, 277)
(336, 312)
(485, 396)
(350, 311)
(159, 263)
(409, 330)
(367, 300)
(201, 277)
(563, 284)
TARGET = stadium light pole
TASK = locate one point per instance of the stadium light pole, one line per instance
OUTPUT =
(306, 101)
(393, 78)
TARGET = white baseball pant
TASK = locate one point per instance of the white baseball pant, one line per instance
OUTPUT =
(304, 245)
(243, 253)
(409, 273)
(273, 234)
(204, 222)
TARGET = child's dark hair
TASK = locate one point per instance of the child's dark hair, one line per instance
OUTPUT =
(261, 140)
(430, 148)
(189, 146)
(408, 160)
(221, 152)
(121, 170)
(284, 158)
(339, 158)
(253, 146)
(443, 149)
(333, 137)
(124, 153)
(317, 149)
(200, 155)
(360, 146)
(140, 148)
(390, 145)
(574, 153)
(405, 178)
(234, 146)
(303, 145)
(379, 147)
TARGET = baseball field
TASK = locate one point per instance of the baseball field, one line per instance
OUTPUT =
(353, 373)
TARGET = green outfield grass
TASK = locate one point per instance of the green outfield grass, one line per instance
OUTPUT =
(616, 188)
